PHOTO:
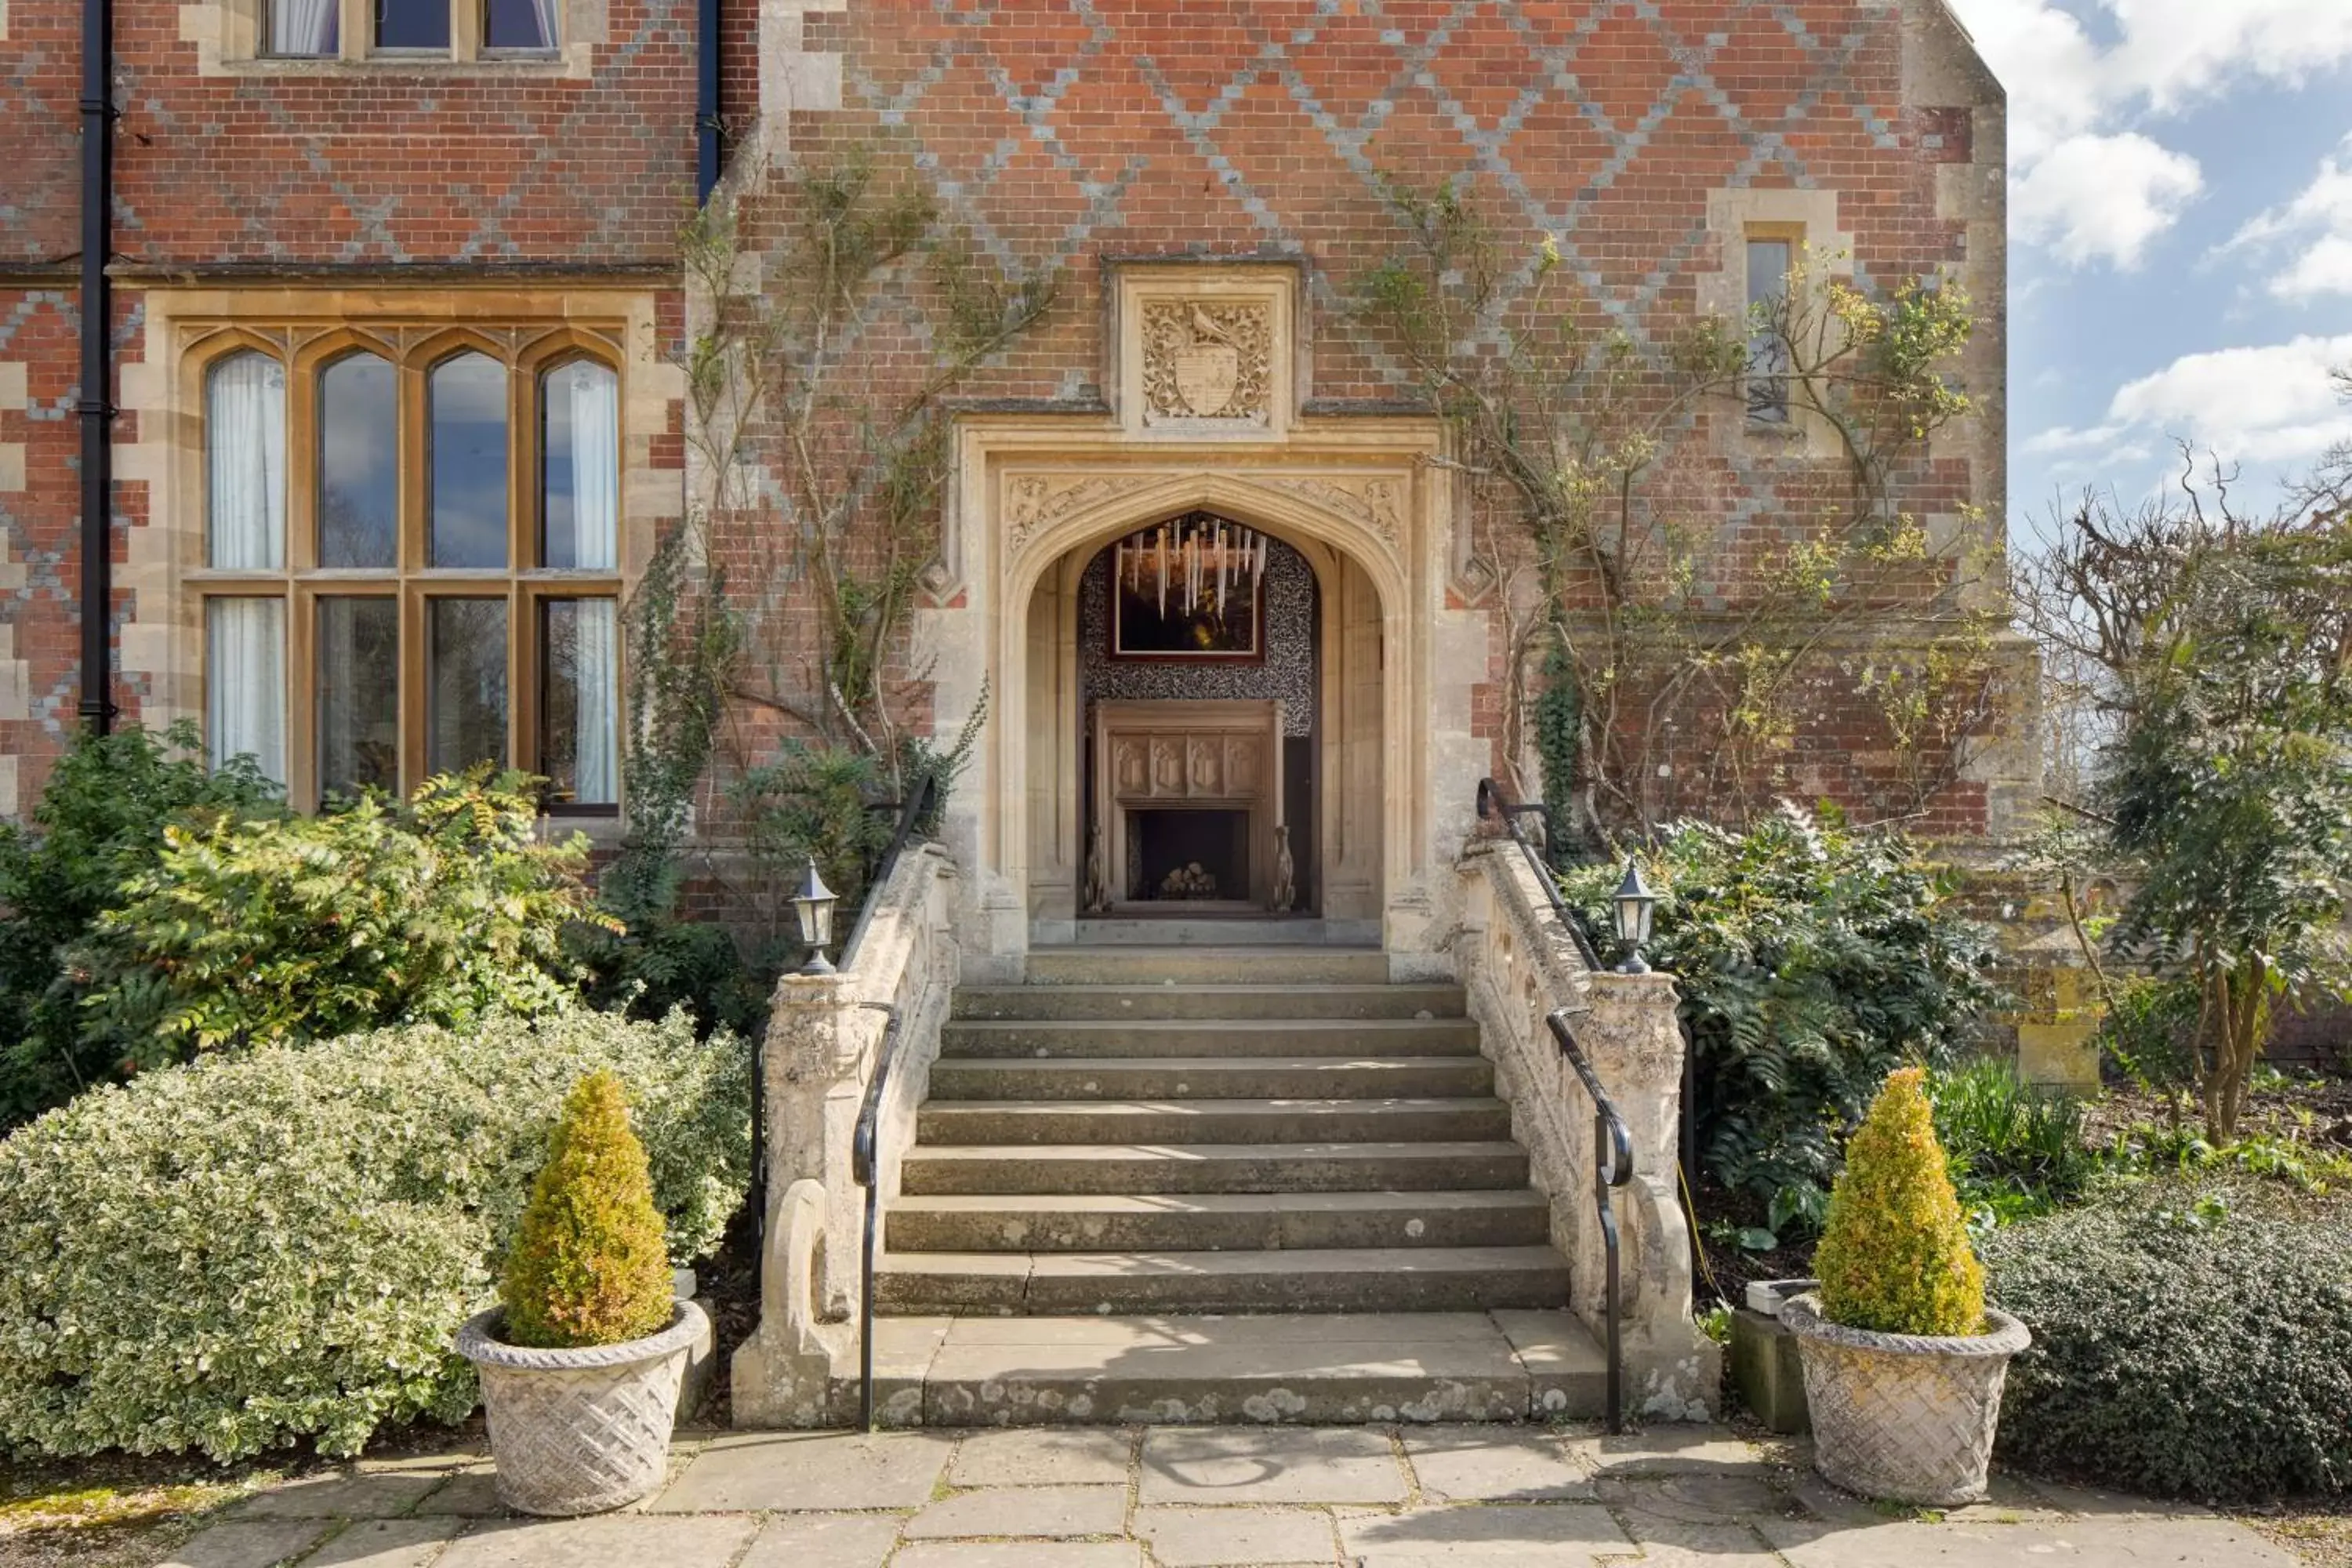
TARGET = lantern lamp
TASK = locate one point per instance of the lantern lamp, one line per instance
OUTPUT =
(812, 905)
(1635, 905)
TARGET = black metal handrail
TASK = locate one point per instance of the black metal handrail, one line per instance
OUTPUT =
(1492, 806)
(865, 1139)
(1613, 1167)
(1613, 1140)
(863, 1144)
(1495, 806)
(917, 804)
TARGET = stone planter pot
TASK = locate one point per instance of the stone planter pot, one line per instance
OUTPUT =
(1905, 1418)
(580, 1431)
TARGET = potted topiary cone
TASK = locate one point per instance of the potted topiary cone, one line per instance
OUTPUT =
(582, 1361)
(1903, 1363)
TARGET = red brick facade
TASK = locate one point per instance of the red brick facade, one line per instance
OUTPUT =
(1064, 131)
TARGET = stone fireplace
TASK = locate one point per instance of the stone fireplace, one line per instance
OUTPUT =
(1188, 796)
(1187, 856)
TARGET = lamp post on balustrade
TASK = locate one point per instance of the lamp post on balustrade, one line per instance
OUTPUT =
(812, 906)
(1635, 905)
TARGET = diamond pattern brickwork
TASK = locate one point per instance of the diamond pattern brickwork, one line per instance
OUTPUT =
(1071, 127)
(1070, 131)
(1056, 130)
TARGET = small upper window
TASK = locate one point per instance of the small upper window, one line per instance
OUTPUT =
(465, 508)
(306, 29)
(580, 468)
(463, 31)
(245, 463)
(1769, 263)
(519, 23)
(417, 24)
(359, 481)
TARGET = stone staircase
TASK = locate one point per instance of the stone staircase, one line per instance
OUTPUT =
(1167, 1148)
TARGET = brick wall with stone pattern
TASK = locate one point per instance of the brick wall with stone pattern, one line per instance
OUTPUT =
(356, 176)
(1048, 132)
(1070, 132)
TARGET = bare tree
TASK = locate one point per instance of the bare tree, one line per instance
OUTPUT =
(1657, 643)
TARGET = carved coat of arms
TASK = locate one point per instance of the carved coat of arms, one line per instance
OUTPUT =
(1209, 368)
(1205, 360)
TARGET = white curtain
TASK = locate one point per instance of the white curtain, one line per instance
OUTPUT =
(245, 682)
(545, 11)
(303, 27)
(245, 454)
(596, 693)
(595, 467)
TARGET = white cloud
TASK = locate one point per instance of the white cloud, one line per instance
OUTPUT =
(2057, 76)
(2175, 51)
(2317, 225)
(2104, 198)
(2325, 268)
(2065, 438)
(2080, 107)
(2272, 405)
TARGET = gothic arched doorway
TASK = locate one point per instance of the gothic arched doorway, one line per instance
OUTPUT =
(1204, 714)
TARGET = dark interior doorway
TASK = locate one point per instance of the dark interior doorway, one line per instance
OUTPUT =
(1286, 668)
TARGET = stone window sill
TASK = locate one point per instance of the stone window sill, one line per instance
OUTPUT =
(573, 61)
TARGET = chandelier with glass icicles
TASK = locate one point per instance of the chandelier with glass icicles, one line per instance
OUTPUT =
(1197, 558)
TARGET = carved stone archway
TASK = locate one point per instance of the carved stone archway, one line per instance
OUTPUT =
(1403, 651)
(1363, 599)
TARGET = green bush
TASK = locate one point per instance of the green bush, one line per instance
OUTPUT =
(1812, 961)
(588, 1265)
(657, 957)
(2016, 1150)
(826, 802)
(99, 825)
(2180, 1347)
(1895, 1256)
(308, 927)
(2152, 1148)
(234, 1254)
(2149, 1032)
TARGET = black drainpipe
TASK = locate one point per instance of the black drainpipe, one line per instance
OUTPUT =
(706, 101)
(96, 405)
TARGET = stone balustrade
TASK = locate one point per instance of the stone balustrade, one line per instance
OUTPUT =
(824, 1036)
(1519, 963)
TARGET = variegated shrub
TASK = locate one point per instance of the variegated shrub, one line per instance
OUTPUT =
(235, 1253)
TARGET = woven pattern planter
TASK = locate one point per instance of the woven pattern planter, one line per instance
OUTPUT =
(580, 1431)
(1905, 1417)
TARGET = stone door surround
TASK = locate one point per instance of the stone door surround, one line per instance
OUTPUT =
(1208, 365)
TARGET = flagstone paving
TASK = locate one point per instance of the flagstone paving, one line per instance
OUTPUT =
(1224, 1497)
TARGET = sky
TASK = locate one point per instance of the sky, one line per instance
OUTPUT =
(2180, 217)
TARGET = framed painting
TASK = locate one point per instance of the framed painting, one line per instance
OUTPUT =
(1202, 597)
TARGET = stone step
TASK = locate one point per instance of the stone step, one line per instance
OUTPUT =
(1360, 1279)
(1341, 1038)
(1036, 1121)
(1205, 965)
(1306, 1368)
(1215, 1222)
(1215, 1168)
(1322, 1003)
(1224, 930)
(1214, 1078)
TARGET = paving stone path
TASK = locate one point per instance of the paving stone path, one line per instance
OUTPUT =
(1416, 1497)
